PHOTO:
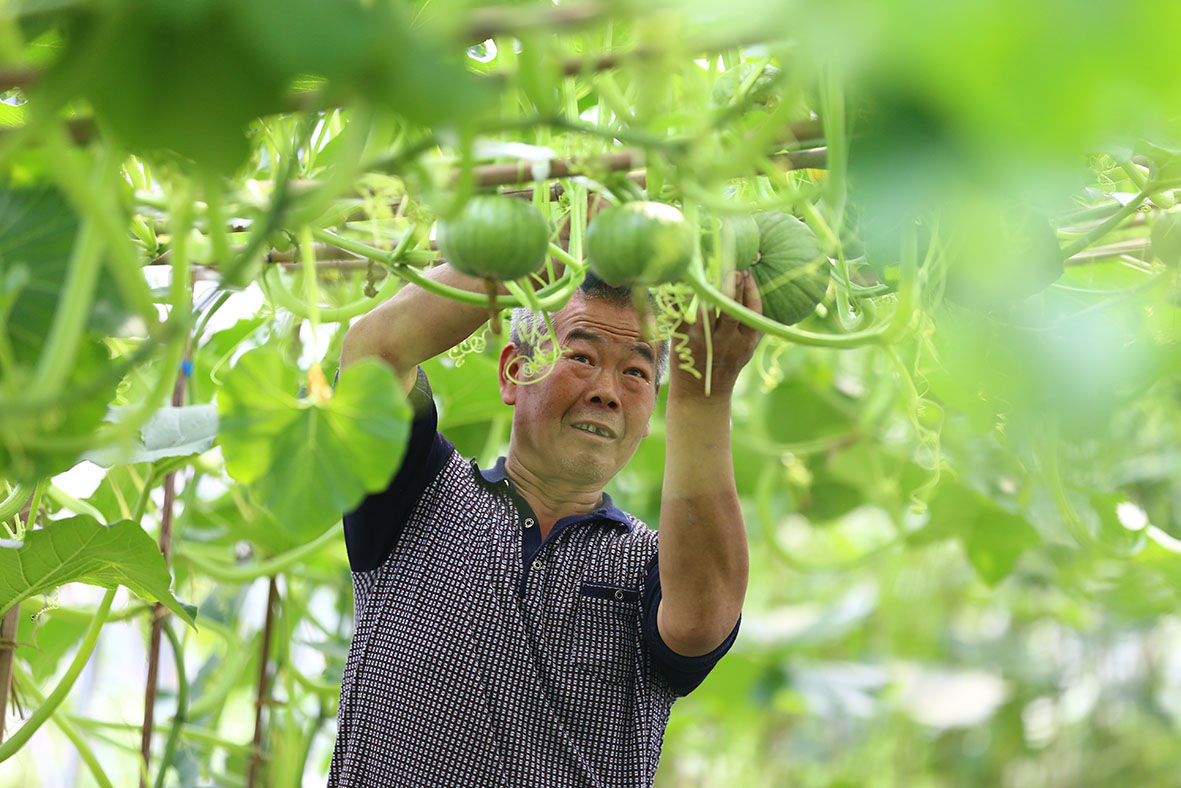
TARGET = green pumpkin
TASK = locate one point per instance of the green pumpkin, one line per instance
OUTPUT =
(761, 92)
(494, 237)
(792, 271)
(740, 240)
(639, 243)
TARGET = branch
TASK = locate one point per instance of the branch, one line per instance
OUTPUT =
(263, 682)
(159, 612)
(9, 625)
(485, 23)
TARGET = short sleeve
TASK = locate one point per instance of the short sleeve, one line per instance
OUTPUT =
(372, 529)
(684, 674)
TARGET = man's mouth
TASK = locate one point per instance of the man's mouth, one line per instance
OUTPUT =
(594, 429)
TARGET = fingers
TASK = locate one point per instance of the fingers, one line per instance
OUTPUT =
(739, 286)
(750, 297)
(743, 289)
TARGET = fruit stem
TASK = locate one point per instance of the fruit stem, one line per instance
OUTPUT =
(708, 292)
(491, 287)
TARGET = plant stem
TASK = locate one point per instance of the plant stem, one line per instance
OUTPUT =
(64, 499)
(558, 292)
(66, 725)
(768, 326)
(228, 573)
(189, 731)
(159, 612)
(16, 500)
(182, 702)
(274, 288)
(43, 712)
(70, 316)
(1048, 457)
(256, 755)
(101, 211)
(8, 630)
(1115, 220)
(35, 502)
(7, 654)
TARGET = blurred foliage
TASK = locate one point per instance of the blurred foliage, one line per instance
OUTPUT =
(960, 475)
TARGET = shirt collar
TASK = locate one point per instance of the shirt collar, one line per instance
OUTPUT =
(497, 475)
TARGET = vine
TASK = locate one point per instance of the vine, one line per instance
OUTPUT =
(676, 307)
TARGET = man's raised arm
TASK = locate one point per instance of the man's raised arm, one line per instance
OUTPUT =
(415, 325)
(703, 551)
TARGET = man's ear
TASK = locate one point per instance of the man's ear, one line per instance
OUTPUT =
(509, 365)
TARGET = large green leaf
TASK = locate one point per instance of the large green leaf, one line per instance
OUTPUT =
(311, 460)
(81, 549)
(466, 392)
(799, 411)
(37, 232)
(162, 76)
(170, 432)
(44, 441)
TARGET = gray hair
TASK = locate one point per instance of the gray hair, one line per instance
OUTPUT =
(526, 324)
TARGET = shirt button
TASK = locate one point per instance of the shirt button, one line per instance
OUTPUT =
(537, 564)
(619, 595)
(528, 522)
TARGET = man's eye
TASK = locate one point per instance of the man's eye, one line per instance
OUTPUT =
(638, 373)
(580, 357)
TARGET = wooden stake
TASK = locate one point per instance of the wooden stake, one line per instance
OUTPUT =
(256, 755)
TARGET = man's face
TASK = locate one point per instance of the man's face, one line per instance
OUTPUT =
(583, 421)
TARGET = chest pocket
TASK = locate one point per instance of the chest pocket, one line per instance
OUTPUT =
(605, 632)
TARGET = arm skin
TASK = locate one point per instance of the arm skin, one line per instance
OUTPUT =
(414, 326)
(703, 549)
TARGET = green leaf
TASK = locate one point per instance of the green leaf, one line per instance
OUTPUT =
(993, 537)
(467, 393)
(69, 423)
(309, 461)
(213, 357)
(364, 48)
(37, 232)
(798, 411)
(12, 116)
(83, 550)
(170, 432)
(49, 637)
(117, 493)
(163, 76)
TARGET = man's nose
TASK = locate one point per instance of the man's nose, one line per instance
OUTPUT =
(602, 390)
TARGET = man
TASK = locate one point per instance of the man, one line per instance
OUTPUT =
(513, 627)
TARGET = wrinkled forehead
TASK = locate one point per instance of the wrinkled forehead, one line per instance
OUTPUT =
(613, 322)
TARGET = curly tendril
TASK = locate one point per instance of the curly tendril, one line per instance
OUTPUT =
(767, 362)
(674, 306)
(476, 343)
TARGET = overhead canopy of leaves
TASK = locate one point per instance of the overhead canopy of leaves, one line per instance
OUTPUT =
(189, 77)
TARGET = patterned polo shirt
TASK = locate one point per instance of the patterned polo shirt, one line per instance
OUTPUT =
(485, 656)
